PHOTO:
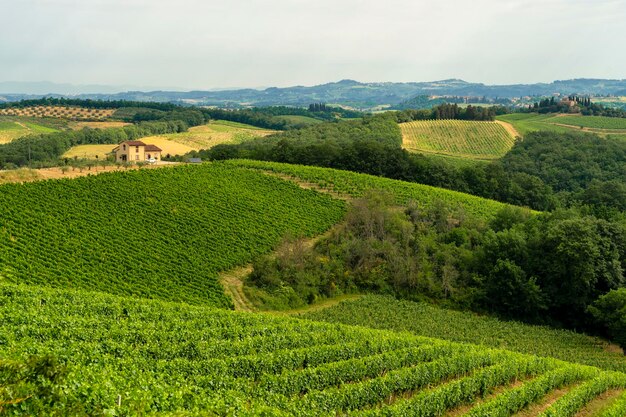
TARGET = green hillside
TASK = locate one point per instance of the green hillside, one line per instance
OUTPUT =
(356, 185)
(424, 319)
(459, 138)
(80, 353)
(163, 233)
(15, 127)
(532, 122)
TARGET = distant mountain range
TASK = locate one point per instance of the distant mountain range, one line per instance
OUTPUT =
(345, 92)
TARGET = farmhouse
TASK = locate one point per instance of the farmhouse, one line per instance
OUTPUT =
(136, 151)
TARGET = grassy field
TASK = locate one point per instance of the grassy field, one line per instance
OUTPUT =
(423, 319)
(72, 113)
(302, 120)
(532, 122)
(457, 138)
(347, 183)
(216, 133)
(15, 127)
(592, 122)
(198, 137)
(162, 233)
(96, 125)
(66, 352)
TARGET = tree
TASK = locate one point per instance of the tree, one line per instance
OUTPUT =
(610, 311)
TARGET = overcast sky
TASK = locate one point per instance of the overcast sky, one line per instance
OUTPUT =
(200, 44)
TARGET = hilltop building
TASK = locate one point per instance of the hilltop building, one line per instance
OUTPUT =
(136, 151)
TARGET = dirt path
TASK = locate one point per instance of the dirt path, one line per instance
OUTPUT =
(509, 128)
(232, 281)
(540, 406)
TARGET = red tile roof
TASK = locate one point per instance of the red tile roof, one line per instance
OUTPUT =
(153, 148)
(134, 143)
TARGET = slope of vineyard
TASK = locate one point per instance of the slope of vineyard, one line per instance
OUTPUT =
(423, 319)
(78, 353)
(356, 185)
(460, 138)
(162, 233)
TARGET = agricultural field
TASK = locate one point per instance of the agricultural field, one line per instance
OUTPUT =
(351, 184)
(532, 122)
(592, 122)
(96, 125)
(458, 138)
(196, 138)
(162, 233)
(82, 353)
(216, 133)
(422, 319)
(62, 112)
(14, 127)
(301, 120)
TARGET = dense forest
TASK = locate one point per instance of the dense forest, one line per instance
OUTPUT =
(547, 268)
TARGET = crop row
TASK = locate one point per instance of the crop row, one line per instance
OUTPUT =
(458, 137)
(127, 356)
(423, 319)
(153, 233)
(356, 185)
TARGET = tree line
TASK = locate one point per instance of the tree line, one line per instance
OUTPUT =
(545, 171)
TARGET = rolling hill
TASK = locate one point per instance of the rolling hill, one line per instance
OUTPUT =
(87, 353)
(457, 138)
(163, 233)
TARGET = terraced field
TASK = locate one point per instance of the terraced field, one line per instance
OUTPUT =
(351, 184)
(124, 356)
(163, 233)
(73, 113)
(458, 138)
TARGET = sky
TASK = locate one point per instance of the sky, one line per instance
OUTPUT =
(205, 44)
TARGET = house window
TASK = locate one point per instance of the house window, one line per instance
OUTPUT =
(136, 148)
(123, 147)
(136, 157)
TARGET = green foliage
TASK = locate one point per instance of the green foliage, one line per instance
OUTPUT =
(617, 409)
(162, 233)
(424, 319)
(357, 185)
(610, 311)
(123, 356)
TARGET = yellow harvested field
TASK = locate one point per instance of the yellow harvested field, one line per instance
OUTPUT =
(168, 146)
(61, 112)
(199, 137)
(216, 133)
(89, 151)
(96, 125)
(19, 175)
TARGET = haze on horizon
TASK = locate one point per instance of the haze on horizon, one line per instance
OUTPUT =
(196, 44)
